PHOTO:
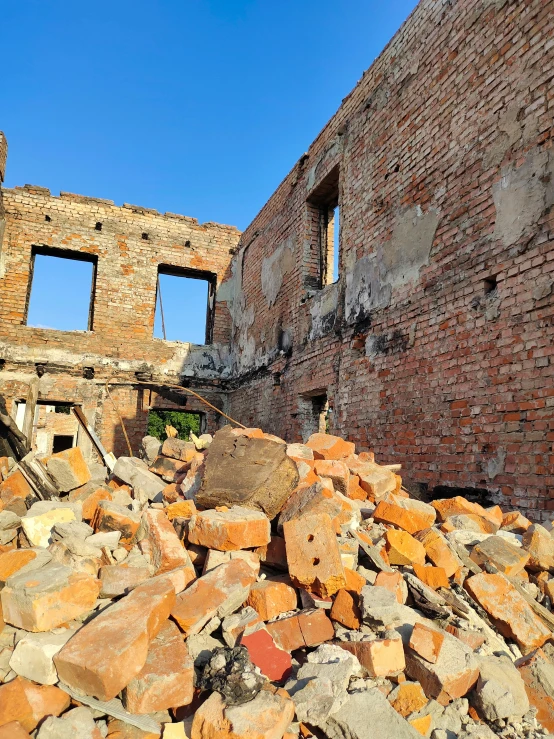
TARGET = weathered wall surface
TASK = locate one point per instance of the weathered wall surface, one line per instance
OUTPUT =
(435, 346)
(121, 341)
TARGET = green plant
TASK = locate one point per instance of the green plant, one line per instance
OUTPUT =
(181, 420)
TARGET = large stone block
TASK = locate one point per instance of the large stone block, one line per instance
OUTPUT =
(250, 472)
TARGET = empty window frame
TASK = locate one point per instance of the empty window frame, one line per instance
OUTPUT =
(160, 421)
(323, 205)
(61, 289)
(184, 305)
(61, 442)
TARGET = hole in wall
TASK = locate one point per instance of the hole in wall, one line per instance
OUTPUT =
(310, 537)
(61, 442)
(98, 226)
(47, 219)
(489, 285)
(145, 236)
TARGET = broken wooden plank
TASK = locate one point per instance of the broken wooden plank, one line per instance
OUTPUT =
(38, 477)
(30, 409)
(109, 459)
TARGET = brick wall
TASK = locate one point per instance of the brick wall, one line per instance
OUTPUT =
(435, 347)
(121, 341)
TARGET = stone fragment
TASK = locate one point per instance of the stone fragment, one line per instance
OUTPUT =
(270, 598)
(409, 521)
(275, 663)
(394, 582)
(473, 639)
(307, 629)
(201, 647)
(113, 517)
(33, 656)
(469, 522)
(300, 451)
(439, 552)
(166, 679)
(178, 449)
(308, 500)
(537, 673)
(326, 446)
(135, 473)
(233, 626)
(447, 507)
(62, 555)
(426, 642)
(119, 580)
(69, 469)
(214, 558)
(108, 539)
(423, 510)
(380, 605)
(451, 676)
(320, 685)
(44, 599)
(504, 556)
(313, 555)
(218, 593)
(118, 729)
(500, 690)
(540, 545)
(43, 516)
(16, 559)
(267, 716)
(434, 577)
(23, 701)
(403, 549)
(407, 698)
(512, 615)
(368, 715)
(230, 530)
(106, 654)
(515, 522)
(167, 551)
(75, 724)
(248, 472)
(89, 496)
(170, 470)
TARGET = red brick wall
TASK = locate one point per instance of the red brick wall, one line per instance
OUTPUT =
(121, 342)
(446, 171)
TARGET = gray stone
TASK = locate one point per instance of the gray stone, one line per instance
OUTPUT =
(9, 520)
(134, 472)
(254, 473)
(380, 605)
(108, 539)
(320, 686)
(77, 723)
(78, 529)
(150, 449)
(43, 557)
(500, 691)
(81, 547)
(33, 655)
(368, 715)
(7, 536)
(201, 648)
(44, 515)
(62, 469)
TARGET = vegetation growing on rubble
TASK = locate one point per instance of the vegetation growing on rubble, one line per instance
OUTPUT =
(180, 420)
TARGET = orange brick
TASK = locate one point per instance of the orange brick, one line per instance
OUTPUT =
(229, 530)
(394, 582)
(434, 577)
(406, 520)
(426, 642)
(270, 598)
(403, 549)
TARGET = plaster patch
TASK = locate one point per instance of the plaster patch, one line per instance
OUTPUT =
(323, 310)
(275, 267)
(521, 196)
(409, 249)
(495, 466)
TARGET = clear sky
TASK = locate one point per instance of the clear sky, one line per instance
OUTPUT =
(198, 107)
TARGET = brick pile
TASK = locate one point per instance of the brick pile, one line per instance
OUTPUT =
(247, 588)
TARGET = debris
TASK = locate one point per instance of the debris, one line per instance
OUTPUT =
(371, 604)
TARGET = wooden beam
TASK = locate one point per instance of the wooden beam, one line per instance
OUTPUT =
(30, 407)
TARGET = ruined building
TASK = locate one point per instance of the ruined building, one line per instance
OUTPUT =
(429, 338)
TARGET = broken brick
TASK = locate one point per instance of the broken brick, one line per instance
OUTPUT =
(113, 517)
(427, 642)
(270, 598)
(180, 509)
(69, 469)
(313, 555)
(394, 582)
(404, 519)
(403, 549)
(326, 446)
(506, 557)
(439, 552)
(336, 471)
(434, 577)
(408, 698)
(23, 701)
(167, 551)
(273, 661)
(236, 528)
(167, 678)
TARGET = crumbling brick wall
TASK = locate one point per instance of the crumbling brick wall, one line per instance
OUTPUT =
(129, 245)
(434, 347)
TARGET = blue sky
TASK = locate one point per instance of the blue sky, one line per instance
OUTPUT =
(198, 107)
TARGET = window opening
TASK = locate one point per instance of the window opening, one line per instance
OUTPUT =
(61, 442)
(323, 204)
(61, 290)
(184, 300)
(489, 285)
(161, 421)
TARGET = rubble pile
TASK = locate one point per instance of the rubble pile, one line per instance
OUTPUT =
(247, 588)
